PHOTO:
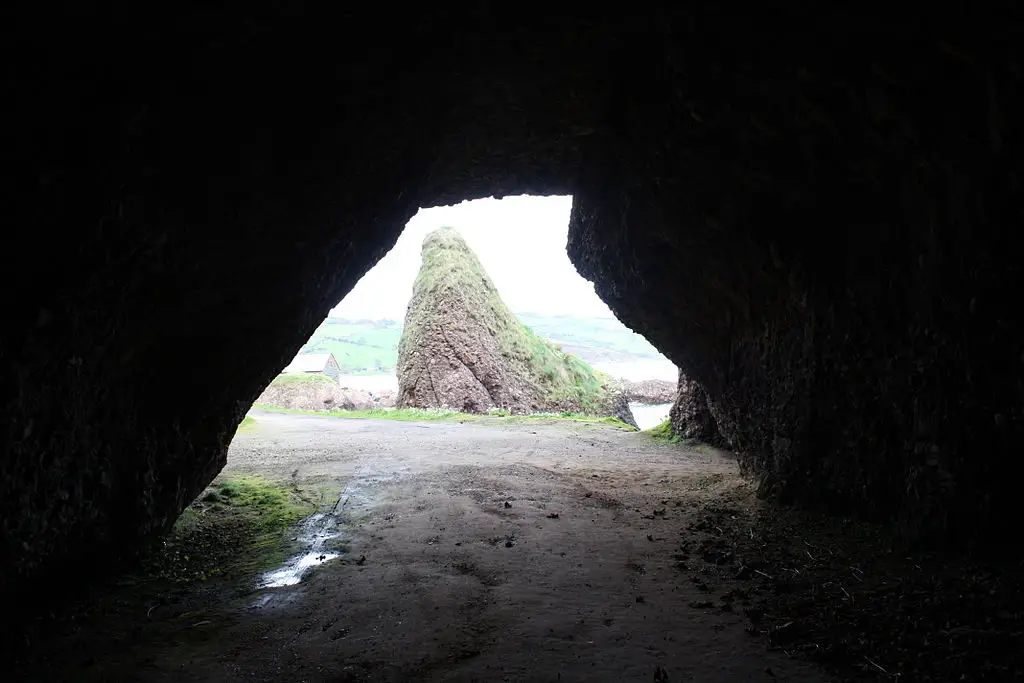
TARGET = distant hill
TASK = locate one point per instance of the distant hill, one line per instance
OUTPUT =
(361, 347)
(366, 347)
(595, 340)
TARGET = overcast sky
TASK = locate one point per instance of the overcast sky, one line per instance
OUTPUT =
(521, 243)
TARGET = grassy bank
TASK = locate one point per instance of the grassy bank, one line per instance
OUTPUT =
(300, 379)
(235, 528)
(663, 432)
(399, 414)
(432, 415)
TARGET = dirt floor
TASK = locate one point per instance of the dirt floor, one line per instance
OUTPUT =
(501, 552)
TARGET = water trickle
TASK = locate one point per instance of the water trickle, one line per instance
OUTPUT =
(316, 531)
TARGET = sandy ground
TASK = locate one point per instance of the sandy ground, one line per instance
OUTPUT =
(473, 552)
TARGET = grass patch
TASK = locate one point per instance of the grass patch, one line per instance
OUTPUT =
(247, 424)
(573, 417)
(301, 379)
(399, 414)
(360, 347)
(663, 432)
(235, 527)
(434, 415)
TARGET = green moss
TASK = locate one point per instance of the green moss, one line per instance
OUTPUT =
(663, 432)
(234, 528)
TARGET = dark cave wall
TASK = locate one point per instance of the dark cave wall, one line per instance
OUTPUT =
(840, 302)
(690, 416)
(817, 232)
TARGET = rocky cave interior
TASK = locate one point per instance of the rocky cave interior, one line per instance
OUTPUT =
(820, 227)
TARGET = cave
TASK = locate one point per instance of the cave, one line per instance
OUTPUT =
(808, 210)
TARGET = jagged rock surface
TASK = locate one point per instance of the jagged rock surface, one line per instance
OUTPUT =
(650, 391)
(691, 415)
(463, 349)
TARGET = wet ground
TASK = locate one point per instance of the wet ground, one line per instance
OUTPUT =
(519, 552)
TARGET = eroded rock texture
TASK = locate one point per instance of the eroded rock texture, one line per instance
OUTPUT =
(690, 414)
(650, 391)
(315, 395)
(859, 357)
(818, 226)
(463, 349)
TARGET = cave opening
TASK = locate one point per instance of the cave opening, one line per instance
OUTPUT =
(481, 299)
(518, 245)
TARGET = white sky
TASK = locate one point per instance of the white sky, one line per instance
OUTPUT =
(519, 240)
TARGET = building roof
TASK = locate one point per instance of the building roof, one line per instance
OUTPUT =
(308, 362)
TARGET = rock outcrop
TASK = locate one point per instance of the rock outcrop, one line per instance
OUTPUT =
(313, 392)
(383, 398)
(649, 391)
(463, 349)
(691, 414)
(617, 405)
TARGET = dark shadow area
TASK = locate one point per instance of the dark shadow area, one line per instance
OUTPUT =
(817, 226)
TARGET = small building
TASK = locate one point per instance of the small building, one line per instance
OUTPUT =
(314, 363)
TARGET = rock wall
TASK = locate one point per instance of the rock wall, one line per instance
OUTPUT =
(818, 226)
(691, 416)
(859, 358)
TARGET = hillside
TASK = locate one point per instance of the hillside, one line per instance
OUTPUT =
(361, 347)
(595, 340)
(371, 346)
(462, 348)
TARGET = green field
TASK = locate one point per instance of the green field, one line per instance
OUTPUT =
(370, 347)
(361, 347)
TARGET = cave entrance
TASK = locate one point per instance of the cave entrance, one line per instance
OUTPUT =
(466, 352)
(428, 529)
(474, 359)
